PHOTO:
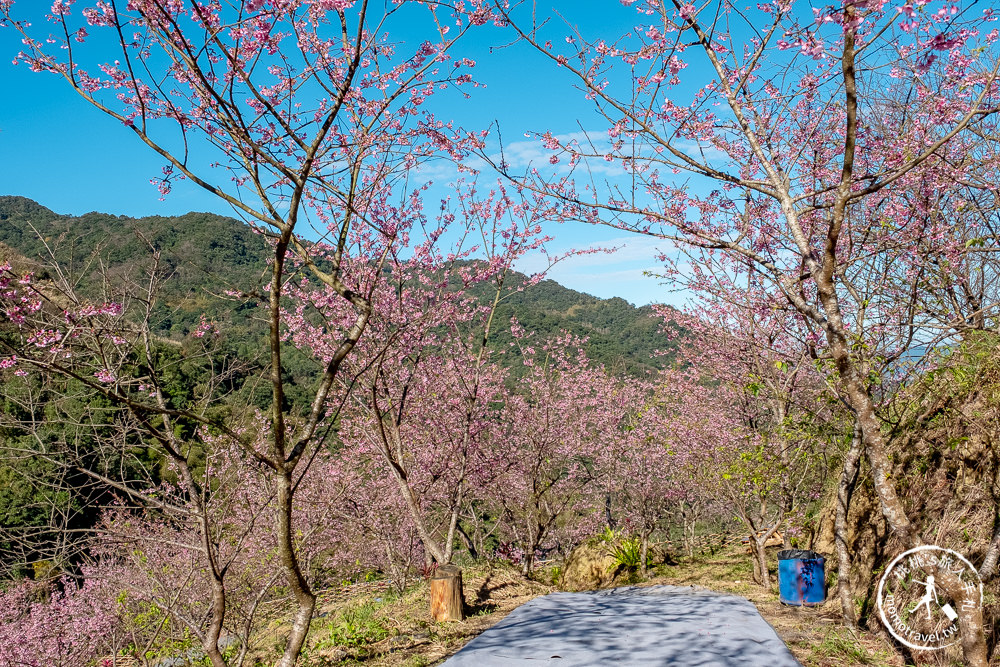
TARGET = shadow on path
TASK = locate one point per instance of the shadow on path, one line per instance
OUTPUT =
(656, 625)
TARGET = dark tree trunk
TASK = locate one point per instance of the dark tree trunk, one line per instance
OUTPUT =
(609, 516)
(645, 554)
(469, 544)
(759, 557)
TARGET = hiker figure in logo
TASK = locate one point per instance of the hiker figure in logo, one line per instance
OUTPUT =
(930, 594)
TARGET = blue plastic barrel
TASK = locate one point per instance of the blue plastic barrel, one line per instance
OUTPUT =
(801, 577)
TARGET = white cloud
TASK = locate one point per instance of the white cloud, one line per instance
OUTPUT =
(623, 273)
(530, 152)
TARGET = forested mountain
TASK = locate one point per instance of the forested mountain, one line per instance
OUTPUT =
(198, 258)
(205, 254)
(201, 254)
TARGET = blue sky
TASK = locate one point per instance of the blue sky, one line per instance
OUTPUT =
(69, 157)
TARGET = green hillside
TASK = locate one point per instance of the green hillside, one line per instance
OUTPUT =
(202, 254)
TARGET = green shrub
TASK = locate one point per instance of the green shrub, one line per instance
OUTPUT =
(353, 627)
(627, 553)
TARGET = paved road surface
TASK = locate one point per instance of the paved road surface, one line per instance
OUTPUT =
(656, 625)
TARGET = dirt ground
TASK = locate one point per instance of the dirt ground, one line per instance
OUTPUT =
(370, 624)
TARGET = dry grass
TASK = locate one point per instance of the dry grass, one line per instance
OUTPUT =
(378, 627)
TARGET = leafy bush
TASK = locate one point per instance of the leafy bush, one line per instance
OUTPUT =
(626, 551)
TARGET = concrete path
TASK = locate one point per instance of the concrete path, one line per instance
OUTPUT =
(655, 625)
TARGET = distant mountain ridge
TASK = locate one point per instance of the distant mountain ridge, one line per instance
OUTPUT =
(208, 253)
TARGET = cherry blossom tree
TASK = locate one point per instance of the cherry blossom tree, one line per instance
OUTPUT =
(306, 119)
(756, 374)
(566, 414)
(368, 528)
(154, 563)
(106, 356)
(62, 624)
(424, 381)
(803, 122)
(644, 466)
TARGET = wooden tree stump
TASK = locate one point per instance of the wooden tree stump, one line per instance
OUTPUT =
(447, 601)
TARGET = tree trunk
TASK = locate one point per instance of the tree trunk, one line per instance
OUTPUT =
(684, 530)
(853, 380)
(688, 528)
(536, 533)
(211, 643)
(447, 600)
(470, 545)
(970, 616)
(848, 478)
(645, 553)
(297, 584)
(973, 632)
(432, 549)
(988, 570)
(755, 561)
(609, 516)
(761, 556)
(970, 621)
